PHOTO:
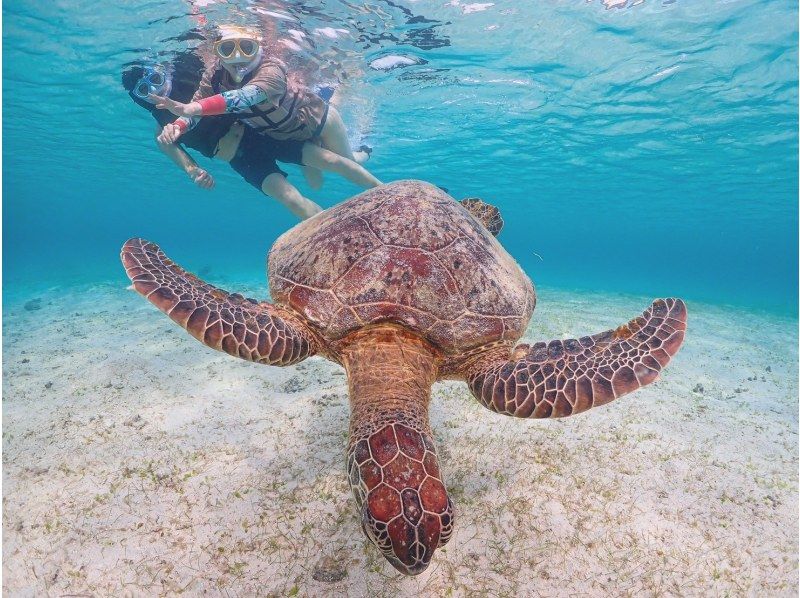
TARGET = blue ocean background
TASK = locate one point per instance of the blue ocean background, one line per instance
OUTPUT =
(632, 147)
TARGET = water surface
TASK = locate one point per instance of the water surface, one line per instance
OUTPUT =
(646, 147)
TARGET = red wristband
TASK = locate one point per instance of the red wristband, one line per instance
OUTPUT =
(181, 124)
(213, 105)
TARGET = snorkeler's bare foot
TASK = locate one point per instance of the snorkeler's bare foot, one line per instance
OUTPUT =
(362, 154)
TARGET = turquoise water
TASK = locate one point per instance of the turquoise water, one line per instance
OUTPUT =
(646, 148)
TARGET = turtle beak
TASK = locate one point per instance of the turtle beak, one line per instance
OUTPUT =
(405, 510)
(408, 546)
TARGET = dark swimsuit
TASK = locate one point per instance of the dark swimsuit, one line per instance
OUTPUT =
(256, 156)
(202, 138)
(258, 152)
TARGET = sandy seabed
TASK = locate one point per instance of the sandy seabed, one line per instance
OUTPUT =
(138, 462)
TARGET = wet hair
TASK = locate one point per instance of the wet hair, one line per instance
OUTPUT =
(187, 68)
(243, 29)
(131, 76)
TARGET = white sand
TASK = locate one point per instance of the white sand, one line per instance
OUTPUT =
(138, 462)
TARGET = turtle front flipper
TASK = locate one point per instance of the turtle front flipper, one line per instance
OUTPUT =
(562, 378)
(241, 327)
(485, 213)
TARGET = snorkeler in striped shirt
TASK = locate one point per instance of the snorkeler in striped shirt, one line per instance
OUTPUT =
(246, 81)
(250, 154)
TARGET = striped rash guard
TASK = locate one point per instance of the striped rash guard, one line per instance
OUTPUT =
(264, 100)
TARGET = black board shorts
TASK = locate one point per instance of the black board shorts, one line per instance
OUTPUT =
(257, 154)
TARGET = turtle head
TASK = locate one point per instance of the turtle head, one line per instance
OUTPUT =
(392, 464)
(405, 510)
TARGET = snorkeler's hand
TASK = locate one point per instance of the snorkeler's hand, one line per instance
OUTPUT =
(170, 133)
(177, 108)
(202, 179)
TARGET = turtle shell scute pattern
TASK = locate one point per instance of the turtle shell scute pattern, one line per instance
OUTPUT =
(406, 253)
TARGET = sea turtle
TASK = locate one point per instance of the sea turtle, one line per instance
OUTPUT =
(403, 287)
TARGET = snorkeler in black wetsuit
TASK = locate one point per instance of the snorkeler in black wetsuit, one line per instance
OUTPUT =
(178, 80)
(224, 137)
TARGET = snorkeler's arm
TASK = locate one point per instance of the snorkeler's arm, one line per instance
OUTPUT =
(186, 163)
(205, 89)
(227, 102)
(268, 86)
(179, 126)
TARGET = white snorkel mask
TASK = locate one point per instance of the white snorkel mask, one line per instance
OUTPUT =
(239, 50)
(157, 80)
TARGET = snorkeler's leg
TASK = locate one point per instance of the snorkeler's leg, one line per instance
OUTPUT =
(334, 135)
(318, 157)
(312, 175)
(276, 185)
(339, 99)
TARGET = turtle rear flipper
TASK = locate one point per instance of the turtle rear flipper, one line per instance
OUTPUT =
(259, 332)
(562, 378)
(485, 213)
